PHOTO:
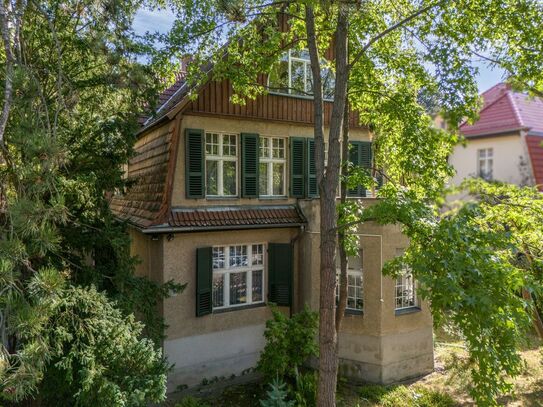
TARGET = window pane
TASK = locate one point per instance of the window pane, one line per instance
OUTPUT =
(229, 177)
(212, 144)
(212, 177)
(257, 285)
(278, 179)
(258, 255)
(229, 145)
(297, 77)
(328, 83)
(264, 147)
(278, 79)
(218, 290)
(238, 256)
(218, 258)
(278, 148)
(238, 288)
(263, 179)
(300, 53)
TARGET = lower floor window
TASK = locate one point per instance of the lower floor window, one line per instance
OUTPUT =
(406, 295)
(238, 275)
(355, 299)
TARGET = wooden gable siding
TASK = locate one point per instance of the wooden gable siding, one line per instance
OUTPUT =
(214, 99)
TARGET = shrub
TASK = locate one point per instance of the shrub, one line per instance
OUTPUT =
(305, 390)
(289, 343)
(277, 395)
(402, 396)
(190, 401)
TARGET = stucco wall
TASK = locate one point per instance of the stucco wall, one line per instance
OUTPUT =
(379, 345)
(509, 152)
(264, 128)
(222, 343)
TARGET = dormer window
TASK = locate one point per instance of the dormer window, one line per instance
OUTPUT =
(292, 75)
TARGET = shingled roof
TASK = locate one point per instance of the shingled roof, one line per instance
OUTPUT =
(230, 217)
(535, 151)
(506, 111)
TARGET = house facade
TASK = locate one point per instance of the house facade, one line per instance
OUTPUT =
(505, 143)
(224, 199)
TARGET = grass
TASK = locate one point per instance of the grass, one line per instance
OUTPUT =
(447, 386)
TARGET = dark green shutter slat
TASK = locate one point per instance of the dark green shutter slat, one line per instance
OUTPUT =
(312, 187)
(194, 163)
(354, 158)
(204, 281)
(360, 155)
(249, 165)
(297, 167)
(280, 273)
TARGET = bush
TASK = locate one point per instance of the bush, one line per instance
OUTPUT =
(402, 396)
(277, 395)
(305, 390)
(190, 401)
(289, 343)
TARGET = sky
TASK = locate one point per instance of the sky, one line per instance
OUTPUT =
(161, 20)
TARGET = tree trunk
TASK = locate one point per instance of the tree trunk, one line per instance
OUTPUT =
(342, 303)
(538, 324)
(328, 183)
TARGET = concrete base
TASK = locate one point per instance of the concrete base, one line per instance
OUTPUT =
(215, 355)
(386, 359)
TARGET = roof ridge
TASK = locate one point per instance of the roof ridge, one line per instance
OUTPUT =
(515, 108)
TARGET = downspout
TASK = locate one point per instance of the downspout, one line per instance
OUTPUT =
(293, 241)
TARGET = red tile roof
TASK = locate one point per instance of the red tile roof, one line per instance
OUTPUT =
(235, 217)
(505, 110)
(536, 157)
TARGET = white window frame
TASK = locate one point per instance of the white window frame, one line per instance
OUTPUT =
(307, 73)
(355, 273)
(485, 163)
(220, 159)
(226, 271)
(269, 161)
(402, 283)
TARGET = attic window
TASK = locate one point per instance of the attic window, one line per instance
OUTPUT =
(292, 75)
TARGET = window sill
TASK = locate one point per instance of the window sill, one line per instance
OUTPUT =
(354, 312)
(273, 197)
(239, 308)
(221, 198)
(405, 311)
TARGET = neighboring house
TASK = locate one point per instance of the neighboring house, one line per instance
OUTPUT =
(505, 143)
(224, 199)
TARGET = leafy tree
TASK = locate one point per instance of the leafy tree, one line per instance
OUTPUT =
(72, 91)
(473, 264)
(393, 57)
(389, 54)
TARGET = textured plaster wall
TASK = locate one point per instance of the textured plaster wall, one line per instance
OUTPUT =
(378, 346)
(509, 151)
(264, 128)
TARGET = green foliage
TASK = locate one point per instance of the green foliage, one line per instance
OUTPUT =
(277, 396)
(472, 264)
(401, 396)
(78, 93)
(190, 401)
(289, 343)
(305, 388)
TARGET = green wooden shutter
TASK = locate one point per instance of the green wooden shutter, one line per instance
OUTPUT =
(249, 165)
(297, 167)
(360, 155)
(312, 187)
(194, 163)
(354, 158)
(280, 273)
(204, 281)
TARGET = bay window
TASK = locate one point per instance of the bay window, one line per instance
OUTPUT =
(238, 275)
(221, 164)
(272, 171)
(405, 288)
